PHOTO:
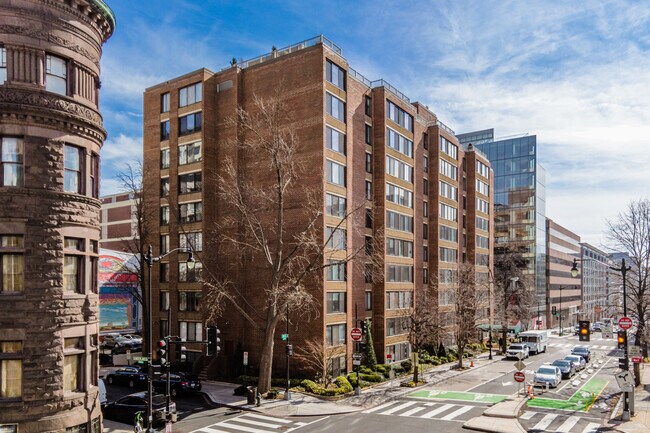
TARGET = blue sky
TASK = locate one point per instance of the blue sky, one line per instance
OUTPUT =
(577, 74)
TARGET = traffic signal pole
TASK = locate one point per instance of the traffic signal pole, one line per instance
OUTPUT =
(149, 260)
(628, 397)
(168, 340)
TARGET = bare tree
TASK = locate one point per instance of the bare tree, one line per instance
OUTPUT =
(311, 356)
(630, 232)
(274, 222)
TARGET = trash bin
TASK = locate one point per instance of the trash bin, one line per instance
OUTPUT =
(252, 392)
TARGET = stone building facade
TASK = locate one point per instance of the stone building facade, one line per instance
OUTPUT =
(363, 144)
(51, 134)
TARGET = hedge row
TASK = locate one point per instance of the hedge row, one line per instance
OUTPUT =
(342, 384)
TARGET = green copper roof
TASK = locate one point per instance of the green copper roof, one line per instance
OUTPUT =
(106, 11)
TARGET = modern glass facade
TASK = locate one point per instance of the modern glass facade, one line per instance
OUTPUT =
(519, 200)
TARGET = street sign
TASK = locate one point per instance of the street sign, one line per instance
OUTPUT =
(356, 334)
(389, 357)
(245, 358)
(140, 358)
(625, 381)
(284, 337)
(520, 365)
(634, 350)
(520, 376)
(625, 323)
(357, 356)
(637, 359)
(356, 362)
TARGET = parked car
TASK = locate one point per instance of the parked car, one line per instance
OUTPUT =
(578, 360)
(131, 376)
(124, 409)
(518, 351)
(576, 330)
(102, 392)
(567, 368)
(596, 327)
(134, 339)
(179, 383)
(116, 340)
(548, 374)
(582, 351)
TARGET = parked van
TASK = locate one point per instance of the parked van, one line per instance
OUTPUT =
(535, 340)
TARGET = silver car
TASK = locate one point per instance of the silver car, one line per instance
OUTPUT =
(518, 351)
(578, 360)
(548, 374)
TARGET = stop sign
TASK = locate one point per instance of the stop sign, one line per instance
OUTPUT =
(520, 376)
(356, 334)
(625, 323)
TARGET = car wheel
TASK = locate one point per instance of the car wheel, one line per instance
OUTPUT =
(110, 380)
(131, 383)
(173, 392)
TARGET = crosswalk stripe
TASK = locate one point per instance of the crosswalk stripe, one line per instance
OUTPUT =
(400, 407)
(243, 428)
(256, 423)
(267, 418)
(568, 424)
(436, 411)
(528, 415)
(412, 411)
(209, 430)
(545, 422)
(376, 408)
(591, 428)
(454, 414)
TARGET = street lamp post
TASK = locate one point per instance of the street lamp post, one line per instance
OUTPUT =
(561, 287)
(489, 321)
(149, 259)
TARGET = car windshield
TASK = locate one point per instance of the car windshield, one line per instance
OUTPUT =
(561, 363)
(159, 399)
(516, 347)
(546, 371)
(573, 358)
(580, 349)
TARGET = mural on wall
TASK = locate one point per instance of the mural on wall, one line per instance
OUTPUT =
(118, 279)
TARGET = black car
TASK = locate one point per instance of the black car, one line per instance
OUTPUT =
(179, 383)
(582, 351)
(567, 368)
(124, 409)
(131, 376)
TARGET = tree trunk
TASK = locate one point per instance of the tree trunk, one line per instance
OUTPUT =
(266, 362)
(461, 351)
(416, 376)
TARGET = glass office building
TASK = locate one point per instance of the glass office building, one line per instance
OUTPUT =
(519, 200)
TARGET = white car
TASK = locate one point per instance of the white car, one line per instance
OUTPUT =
(134, 339)
(578, 360)
(548, 374)
(518, 351)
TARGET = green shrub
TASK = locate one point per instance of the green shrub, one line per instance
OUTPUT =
(398, 369)
(372, 377)
(383, 369)
(343, 383)
(407, 365)
(365, 370)
(310, 386)
(273, 393)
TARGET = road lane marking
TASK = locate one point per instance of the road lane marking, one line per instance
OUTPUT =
(257, 423)
(528, 415)
(568, 424)
(376, 408)
(244, 428)
(545, 422)
(268, 418)
(455, 413)
(591, 428)
(396, 408)
(412, 411)
(437, 411)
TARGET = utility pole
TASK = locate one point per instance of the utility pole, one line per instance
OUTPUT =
(287, 393)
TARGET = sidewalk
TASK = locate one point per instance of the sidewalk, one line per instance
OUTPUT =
(640, 422)
(116, 427)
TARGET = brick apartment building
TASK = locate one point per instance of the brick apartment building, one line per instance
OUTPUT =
(564, 293)
(361, 142)
(119, 222)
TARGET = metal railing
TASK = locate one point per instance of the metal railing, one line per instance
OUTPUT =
(386, 85)
(360, 78)
(446, 128)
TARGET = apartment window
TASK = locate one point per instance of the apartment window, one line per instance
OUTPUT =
(164, 273)
(94, 266)
(482, 169)
(448, 212)
(335, 107)
(368, 218)
(482, 187)
(335, 271)
(11, 255)
(72, 165)
(335, 302)
(335, 205)
(11, 369)
(335, 238)
(397, 326)
(368, 300)
(425, 164)
(335, 140)
(399, 274)
(399, 116)
(425, 253)
(482, 223)
(164, 103)
(190, 95)
(164, 187)
(189, 301)
(482, 242)
(189, 272)
(448, 169)
(73, 265)
(164, 158)
(425, 187)
(164, 215)
(190, 182)
(396, 141)
(482, 206)
(367, 272)
(335, 74)
(164, 130)
(448, 276)
(190, 331)
(368, 190)
(368, 134)
(425, 209)
(399, 299)
(398, 195)
(448, 191)
(56, 75)
(164, 328)
(448, 148)
(399, 351)
(335, 335)
(448, 234)
(368, 245)
(399, 169)
(425, 141)
(72, 364)
(11, 161)
(189, 124)
(368, 105)
(368, 162)
(335, 173)
(191, 212)
(425, 231)
(164, 244)
(399, 247)
(164, 301)
(189, 153)
(94, 175)
(191, 240)
(449, 255)
(398, 221)
(3, 65)
(482, 259)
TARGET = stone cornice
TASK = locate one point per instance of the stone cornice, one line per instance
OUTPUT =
(45, 107)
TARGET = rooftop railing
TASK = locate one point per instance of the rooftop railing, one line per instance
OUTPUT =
(445, 128)
(360, 78)
(386, 85)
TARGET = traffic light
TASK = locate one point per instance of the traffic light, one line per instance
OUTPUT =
(363, 327)
(213, 348)
(183, 353)
(362, 346)
(622, 339)
(623, 364)
(162, 352)
(554, 310)
(289, 349)
(584, 330)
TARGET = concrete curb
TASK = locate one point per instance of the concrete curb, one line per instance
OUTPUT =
(509, 408)
(494, 424)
